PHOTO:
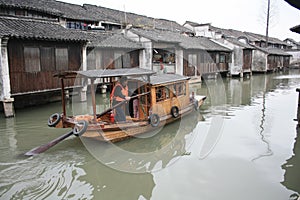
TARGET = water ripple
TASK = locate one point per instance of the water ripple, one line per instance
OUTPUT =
(45, 178)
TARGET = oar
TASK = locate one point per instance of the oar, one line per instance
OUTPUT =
(119, 104)
(47, 146)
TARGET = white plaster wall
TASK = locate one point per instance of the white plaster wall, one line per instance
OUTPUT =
(145, 56)
(259, 63)
(5, 90)
(179, 61)
(295, 59)
(236, 66)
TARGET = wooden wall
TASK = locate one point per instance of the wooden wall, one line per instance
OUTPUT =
(207, 62)
(247, 59)
(100, 58)
(32, 63)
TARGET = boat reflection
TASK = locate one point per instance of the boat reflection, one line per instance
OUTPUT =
(153, 151)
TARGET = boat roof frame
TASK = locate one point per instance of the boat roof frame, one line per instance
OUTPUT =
(155, 79)
(105, 73)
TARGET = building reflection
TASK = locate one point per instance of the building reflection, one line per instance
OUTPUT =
(291, 167)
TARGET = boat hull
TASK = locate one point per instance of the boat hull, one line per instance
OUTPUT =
(122, 131)
(115, 132)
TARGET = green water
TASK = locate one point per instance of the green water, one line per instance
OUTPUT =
(242, 144)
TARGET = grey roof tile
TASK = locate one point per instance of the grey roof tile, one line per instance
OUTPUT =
(184, 41)
(30, 28)
(111, 40)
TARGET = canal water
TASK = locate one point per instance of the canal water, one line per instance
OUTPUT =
(241, 144)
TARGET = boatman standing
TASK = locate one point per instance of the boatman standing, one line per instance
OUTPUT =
(119, 94)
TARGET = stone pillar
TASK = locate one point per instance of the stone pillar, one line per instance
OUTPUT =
(83, 90)
(5, 95)
(84, 58)
(179, 62)
(8, 107)
(146, 56)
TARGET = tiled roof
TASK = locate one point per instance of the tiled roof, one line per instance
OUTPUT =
(276, 51)
(273, 51)
(37, 5)
(107, 14)
(195, 24)
(55, 8)
(111, 40)
(252, 37)
(184, 41)
(49, 30)
(93, 13)
(294, 3)
(263, 38)
(239, 43)
(36, 29)
(157, 35)
(72, 11)
(202, 43)
(296, 29)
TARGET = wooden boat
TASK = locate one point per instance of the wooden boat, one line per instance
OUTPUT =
(160, 99)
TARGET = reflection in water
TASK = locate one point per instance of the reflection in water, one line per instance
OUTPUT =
(291, 167)
(8, 141)
(262, 129)
(45, 177)
(139, 155)
(113, 184)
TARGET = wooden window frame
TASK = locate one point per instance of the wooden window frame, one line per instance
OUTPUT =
(32, 59)
(165, 93)
(61, 60)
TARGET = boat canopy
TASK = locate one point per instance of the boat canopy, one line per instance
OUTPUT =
(106, 73)
(163, 79)
(160, 79)
(135, 73)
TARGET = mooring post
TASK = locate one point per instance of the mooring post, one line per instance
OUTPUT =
(298, 109)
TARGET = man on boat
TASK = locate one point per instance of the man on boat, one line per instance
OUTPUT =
(119, 94)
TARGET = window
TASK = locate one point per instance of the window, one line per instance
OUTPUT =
(62, 60)
(47, 59)
(192, 59)
(162, 93)
(32, 59)
(180, 89)
(118, 60)
(163, 56)
(122, 60)
(222, 58)
(20, 12)
(91, 59)
(126, 60)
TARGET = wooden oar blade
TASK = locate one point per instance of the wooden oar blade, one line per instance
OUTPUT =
(45, 147)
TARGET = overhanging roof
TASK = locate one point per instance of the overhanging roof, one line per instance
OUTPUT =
(294, 3)
(296, 29)
(14, 27)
